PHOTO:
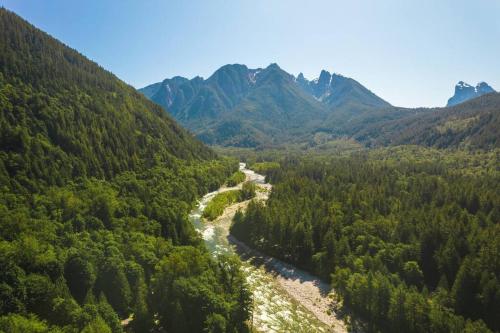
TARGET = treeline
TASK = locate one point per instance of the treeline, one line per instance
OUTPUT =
(96, 187)
(409, 238)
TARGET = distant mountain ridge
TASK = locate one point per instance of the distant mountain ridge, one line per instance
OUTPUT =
(247, 107)
(471, 124)
(335, 89)
(464, 92)
(243, 107)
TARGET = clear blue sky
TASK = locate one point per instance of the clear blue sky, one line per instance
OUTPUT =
(409, 52)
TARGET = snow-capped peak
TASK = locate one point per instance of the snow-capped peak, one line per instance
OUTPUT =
(462, 84)
(252, 75)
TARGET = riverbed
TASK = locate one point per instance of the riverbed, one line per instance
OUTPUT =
(285, 298)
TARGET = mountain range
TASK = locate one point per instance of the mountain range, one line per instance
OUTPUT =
(239, 106)
(249, 107)
(243, 107)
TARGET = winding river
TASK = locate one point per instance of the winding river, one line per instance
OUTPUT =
(285, 299)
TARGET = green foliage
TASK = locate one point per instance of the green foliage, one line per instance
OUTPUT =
(79, 275)
(264, 167)
(189, 297)
(409, 237)
(14, 323)
(110, 317)
(236, 178)
(216, 206)
(96, 187)
(247, 191)
(96, 326)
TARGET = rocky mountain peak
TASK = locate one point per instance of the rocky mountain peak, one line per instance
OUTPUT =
(465, 91)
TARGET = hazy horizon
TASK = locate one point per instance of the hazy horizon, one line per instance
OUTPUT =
(410, 54)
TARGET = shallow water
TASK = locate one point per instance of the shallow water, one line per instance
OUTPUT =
(274, 309)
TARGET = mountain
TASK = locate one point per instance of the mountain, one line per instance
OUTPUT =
(239, 106)
(49, 73)
(336, 90)
(464, 92)
(472, 124)
(96, 186)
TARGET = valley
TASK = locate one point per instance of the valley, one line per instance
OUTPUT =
(252, 201)
(284, 297)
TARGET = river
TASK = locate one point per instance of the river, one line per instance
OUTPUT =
(285, 299)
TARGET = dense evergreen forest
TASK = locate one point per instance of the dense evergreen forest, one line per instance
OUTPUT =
(409, 237)
(96, 186)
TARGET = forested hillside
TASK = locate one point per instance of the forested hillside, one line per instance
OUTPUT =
(97, 183)
(409, 237)
(472, 124)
